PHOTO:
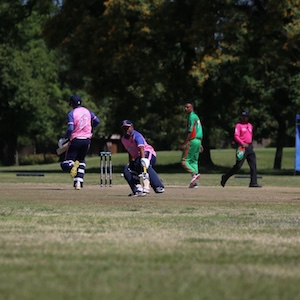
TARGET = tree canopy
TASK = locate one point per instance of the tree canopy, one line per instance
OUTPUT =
(141, 60)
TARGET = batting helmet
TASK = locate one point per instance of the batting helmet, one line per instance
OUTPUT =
(75, 100)
(126, 123)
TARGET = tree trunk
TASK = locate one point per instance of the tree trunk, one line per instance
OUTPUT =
(205, 157)
(280, 143)
(8, 150)
(278, 158)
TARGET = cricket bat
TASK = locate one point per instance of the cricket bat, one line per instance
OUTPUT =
(145, 179)
(62, 149)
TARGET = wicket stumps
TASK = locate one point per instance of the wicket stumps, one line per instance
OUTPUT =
(105, 168)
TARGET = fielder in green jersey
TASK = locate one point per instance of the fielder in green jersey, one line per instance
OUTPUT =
(192, 145)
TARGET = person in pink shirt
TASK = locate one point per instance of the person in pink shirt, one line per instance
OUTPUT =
(81, 123)
(243, 135)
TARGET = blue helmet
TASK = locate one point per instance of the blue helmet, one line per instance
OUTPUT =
(75, 100)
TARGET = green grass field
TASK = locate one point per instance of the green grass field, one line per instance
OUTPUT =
(98, 243)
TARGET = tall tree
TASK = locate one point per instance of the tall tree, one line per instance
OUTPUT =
(133, 59)
(254, 65)
(28, 80)
(141, 59)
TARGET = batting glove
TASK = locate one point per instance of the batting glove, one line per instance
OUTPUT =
(62, 141)
(145, 162)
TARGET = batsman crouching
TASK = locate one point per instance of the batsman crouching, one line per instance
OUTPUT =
(81, 122)
(139, 172)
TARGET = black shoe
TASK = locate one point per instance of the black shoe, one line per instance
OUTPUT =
(255, 185)
(223, 181)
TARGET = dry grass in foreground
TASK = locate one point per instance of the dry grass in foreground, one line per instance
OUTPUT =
(98, 243)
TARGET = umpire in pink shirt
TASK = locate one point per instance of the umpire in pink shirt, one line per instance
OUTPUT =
(243, 136)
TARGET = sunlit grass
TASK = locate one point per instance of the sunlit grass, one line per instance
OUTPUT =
(97, 243)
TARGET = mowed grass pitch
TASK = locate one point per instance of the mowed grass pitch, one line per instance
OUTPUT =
(97, 243)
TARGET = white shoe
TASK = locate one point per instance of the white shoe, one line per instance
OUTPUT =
(137, 194)
(74, 169)
(192, 182)
(77, 185)
(159, 189)
(195, 186)
(147, 191)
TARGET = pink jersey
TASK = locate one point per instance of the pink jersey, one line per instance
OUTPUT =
(243, 133)
(133, 142)
(82, 122)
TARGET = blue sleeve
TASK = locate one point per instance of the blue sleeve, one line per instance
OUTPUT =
(139, 138)
(69, 131)
(95, 120)
(70, 120)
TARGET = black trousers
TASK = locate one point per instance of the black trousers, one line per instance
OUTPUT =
(251, 160)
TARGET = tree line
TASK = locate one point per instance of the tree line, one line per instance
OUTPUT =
(141, 60)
